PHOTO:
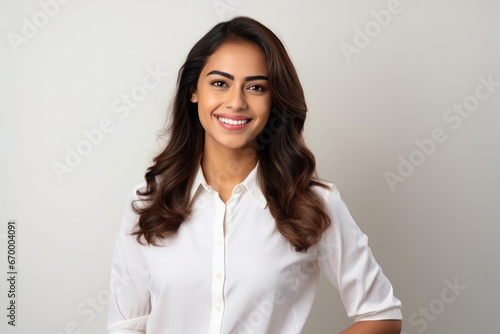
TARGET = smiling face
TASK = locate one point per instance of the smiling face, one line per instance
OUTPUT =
(233, 96)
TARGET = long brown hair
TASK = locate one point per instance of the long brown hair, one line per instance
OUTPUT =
(286, 166)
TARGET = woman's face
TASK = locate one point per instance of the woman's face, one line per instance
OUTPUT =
(233, 95)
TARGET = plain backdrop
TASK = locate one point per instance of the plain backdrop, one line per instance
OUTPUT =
(383, 92)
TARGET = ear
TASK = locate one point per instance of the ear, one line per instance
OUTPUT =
(194, 97)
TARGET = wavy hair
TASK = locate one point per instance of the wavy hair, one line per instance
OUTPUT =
(287, 168)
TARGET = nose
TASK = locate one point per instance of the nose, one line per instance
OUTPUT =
(236, 100)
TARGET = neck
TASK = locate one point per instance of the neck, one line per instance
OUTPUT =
(224, 167)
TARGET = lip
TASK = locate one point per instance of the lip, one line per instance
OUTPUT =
(232, 126)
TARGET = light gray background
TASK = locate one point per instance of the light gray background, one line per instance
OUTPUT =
(437, 227)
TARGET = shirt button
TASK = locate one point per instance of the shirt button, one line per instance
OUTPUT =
(219, 308)
(219, 243)
(219, 275)
(237, 189)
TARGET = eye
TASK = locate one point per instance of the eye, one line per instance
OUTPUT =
(257, 88)
(218, 83)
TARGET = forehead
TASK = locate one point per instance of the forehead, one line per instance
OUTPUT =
(237, 58)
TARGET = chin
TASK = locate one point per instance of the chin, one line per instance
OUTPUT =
(235, 146)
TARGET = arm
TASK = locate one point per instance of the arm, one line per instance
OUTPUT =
(375, 327)
(347, 262)
(129, 306)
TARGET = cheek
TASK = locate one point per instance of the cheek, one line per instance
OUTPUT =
(209, 102)
(205, 108)
(264, 112)
(263, 120)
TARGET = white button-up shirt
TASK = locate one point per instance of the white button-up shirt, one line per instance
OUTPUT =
(229, 270)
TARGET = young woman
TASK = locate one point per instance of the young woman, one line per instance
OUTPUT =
(232, 227)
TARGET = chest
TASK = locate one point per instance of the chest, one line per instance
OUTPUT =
(237, 243)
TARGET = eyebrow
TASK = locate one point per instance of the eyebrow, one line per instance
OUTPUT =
(229, 76)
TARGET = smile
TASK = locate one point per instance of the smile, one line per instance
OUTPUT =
(232, 122)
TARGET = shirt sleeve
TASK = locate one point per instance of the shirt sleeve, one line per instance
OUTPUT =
(347, 262)
(129, 306)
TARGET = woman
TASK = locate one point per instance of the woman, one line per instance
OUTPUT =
(232, 227)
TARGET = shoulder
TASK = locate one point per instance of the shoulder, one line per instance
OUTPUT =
(328, 191)
(133, 194)
(138, 187)
(336, 208)
(131, 217)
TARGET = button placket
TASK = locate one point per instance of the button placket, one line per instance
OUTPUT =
(218, 267)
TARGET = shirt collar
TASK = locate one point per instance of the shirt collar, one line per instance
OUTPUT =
(250, 183)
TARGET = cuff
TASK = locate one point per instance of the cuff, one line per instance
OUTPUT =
(130, 326)
(390, 314)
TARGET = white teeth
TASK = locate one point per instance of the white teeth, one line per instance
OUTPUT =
(230, 121)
